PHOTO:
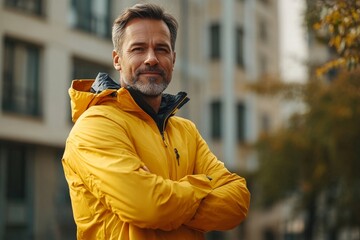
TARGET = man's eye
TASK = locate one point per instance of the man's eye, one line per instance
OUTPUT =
(138, 49)
(162, 50)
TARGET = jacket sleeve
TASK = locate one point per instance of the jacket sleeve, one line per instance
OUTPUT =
(101, 154)
(227, 205)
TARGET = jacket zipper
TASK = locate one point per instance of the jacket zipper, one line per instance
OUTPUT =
(177, 155)
(134, 95)
(166, 118)
(163, 138)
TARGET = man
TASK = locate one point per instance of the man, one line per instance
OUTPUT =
(136, 171)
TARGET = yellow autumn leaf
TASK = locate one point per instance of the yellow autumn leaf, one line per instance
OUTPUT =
(317, 26)
(349, 39)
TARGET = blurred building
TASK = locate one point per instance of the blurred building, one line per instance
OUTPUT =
(46, 44)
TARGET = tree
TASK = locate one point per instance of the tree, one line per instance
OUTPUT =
(338, 24)
(319, 152)
(317, 155)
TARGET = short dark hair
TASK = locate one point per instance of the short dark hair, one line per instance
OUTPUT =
(143, 11)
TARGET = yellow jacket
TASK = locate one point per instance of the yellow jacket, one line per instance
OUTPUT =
(187, 192)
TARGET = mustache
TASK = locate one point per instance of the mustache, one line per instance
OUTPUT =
(150, 69)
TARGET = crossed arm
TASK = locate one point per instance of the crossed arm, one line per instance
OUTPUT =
(227, 204)
(114, 174)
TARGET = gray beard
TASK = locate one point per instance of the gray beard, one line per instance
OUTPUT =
(150, 89)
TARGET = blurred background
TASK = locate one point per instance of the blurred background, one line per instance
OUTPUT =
(274, 90)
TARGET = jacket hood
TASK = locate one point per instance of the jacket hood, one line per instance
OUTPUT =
(85, 93)
(103, 82)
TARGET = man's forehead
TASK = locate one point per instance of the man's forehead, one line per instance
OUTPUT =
(142, 31)
(147, 26)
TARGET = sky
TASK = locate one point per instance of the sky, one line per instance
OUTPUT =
(293, 40)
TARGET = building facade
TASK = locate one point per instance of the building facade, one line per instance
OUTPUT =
(47, 43)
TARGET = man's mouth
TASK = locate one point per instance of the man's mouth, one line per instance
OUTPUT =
(150, 73)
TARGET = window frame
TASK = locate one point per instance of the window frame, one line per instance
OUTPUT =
(21, 84)
(84, 19)
(215, 41)
(18, 220)
(23, 5)
(216, 120)
(88, 68)
(239, 46)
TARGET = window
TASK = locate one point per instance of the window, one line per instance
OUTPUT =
(63, 211)
(14, 160)
(239, 47)
(85, 69)
(21, 90)
(92, 16)
(30, 6)
(215, 41)
(263, 31)
(16, 166)
(240, 121)
(216, 120)
(265, 1)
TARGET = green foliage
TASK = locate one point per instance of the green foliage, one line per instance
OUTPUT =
(279, 174)
(317, 155)
(320, 149)
(272, 86)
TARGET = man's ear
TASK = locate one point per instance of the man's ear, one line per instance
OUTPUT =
(116, 60)
(174, 59)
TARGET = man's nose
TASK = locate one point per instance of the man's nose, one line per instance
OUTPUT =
(151, 58)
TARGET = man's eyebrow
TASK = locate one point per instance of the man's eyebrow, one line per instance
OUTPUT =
(163, 45)
(134, 44)
(137, 44)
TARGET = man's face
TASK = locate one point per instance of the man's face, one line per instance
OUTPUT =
(146, 59)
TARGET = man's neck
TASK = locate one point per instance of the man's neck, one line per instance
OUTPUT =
(154, 102)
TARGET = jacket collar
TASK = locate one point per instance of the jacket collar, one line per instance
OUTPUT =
(85, 93)
(169, 105)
